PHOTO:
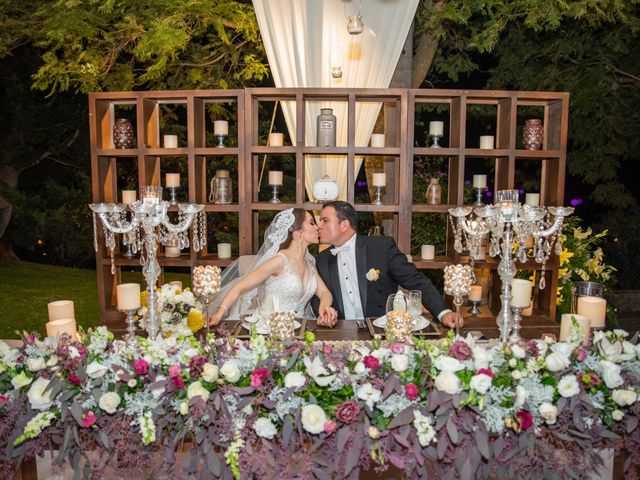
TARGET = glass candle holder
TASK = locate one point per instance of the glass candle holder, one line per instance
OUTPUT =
(281, 326)
(399, 326)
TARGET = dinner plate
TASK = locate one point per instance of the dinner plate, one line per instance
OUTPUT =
(263, 329)
(421, 324)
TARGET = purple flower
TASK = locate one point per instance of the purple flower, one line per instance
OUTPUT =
(460, 350)
(348, 412)
(371, 362)
(196, 363)
(411, 391)
(141, 366)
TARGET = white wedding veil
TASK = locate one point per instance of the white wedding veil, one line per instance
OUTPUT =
(276, 233)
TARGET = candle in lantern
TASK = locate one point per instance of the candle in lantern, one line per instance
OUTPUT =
(221, 127)
(377, 140)
(57, 327)
(275, 177)
(379, 179)
(172, 180)
(532, 199)
(128, 196)
(276, 139)
(170, 141)
(486, 142)
(479, 181)
(475, 295)
(566, 325)
(60, 309)
(436, 128)
(224, 250)
(428, 252)
(128, 296)
(594, 308)
(521, 292)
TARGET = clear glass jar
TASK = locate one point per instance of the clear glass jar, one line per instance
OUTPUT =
(434, 192)
(221, 188)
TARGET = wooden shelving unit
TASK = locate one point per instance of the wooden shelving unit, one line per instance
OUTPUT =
(145, 111)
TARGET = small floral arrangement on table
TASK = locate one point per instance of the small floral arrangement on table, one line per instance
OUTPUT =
(179, 312)
(256, 409)
(581, 259)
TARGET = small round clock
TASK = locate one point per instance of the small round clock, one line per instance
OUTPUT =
(325, 189)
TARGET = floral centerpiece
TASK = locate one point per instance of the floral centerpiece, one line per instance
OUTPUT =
(313, 410)
(179, 312)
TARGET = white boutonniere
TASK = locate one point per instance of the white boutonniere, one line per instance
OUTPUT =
(373, 274)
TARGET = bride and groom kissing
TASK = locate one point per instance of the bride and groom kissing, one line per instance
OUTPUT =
(352, 280)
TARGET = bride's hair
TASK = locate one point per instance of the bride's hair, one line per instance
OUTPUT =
(300, 215)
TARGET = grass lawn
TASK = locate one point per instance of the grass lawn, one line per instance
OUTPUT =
(28, 287)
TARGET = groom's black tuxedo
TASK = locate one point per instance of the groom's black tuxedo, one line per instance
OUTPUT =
(382, 253)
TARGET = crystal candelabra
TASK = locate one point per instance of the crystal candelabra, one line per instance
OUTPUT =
(479, 191)
(378, 199)
(148, 226)
(436, 138)
(274, 194)
(221, 140)
(508, 223)
(131, 325)
(457, 282)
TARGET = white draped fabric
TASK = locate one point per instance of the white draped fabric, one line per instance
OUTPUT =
(300, 36)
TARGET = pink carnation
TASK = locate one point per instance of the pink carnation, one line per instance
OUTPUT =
(525, 419)
(397, 347)
(460, 350)
(141, 366)
(258, 376)
(75, 379)
(327, 348)
(3, 399)
(485, 371)
(411, 391)
(174, 371)
(371, 362)
(88, 419)
(330, 426)
(178, 381)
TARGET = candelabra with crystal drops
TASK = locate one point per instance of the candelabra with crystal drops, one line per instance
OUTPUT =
(508, 223)
(148, 226)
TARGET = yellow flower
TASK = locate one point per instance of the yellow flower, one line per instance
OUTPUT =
(565, 256)
(195, 320)
(143, 299)
(178, 291)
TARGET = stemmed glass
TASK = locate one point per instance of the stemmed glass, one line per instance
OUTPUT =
(397, 302)
(414, 307)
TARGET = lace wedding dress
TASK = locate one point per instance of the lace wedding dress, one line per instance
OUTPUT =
(287, 292)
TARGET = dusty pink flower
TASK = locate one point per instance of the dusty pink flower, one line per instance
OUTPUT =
(460, 350)
(525, 419)
(174, 370)
(327, 348)
(258, 376)
(485, 371)
(74, 378)
(88, 419)
(3, 399)
(141, 366)
(30, 339)
(330, 427)
(580, 354)
(371, 362)
(348, 412)
(531, 348)
(178, 381)
(411, 391)
(397, 347)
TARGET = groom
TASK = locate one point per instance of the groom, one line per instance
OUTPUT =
(362, 271)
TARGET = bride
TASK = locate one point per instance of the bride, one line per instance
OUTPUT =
(283, 271)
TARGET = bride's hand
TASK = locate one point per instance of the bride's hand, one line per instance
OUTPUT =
(218, 315)
(328, 317)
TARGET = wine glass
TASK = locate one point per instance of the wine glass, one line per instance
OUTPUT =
(396, 302)
(414, 307)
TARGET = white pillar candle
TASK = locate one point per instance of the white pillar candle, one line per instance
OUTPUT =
(128, 295)
(475, 295)
(436, 128)
(486, 142)
(171, 252)
(595, 308)
(57, 327)
(170, 141)
(377, 140)
(177, 284)
(428, 252)
(566, 325)
(521, 292)
(172, 180)
(60, 309)
(479, 181)
(532, 199)
(128, 196)
(224, 250)
(275, 177)
(379, 179)
(221, 127)
(276, 139)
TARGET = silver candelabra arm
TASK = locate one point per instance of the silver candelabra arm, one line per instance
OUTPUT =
(116, 223)
(560, 213)
(188, 212)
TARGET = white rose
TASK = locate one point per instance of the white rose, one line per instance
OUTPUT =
(52, 362)
(513, 362)
(313, 419)
(109, 402)
(480, 383)
(21, 380)
(516, 374)
(132, 383)
(556, 362)
(369, 394)
(444, 363)
(38, 398)
(518, 351)
(448, 382)
(617, 415)
(184, 408)
(399, 362)
(381, 353)
(372, 275)
(359, 368)
(568, 386)
(628, 352)
(294, 380)
(230, 371)
(316, 370)
(265, 428)
(481, 358)
(197, 390)
(96, 370)
(611, 374)
(35, 363)
(209, 372)
(624, 397)
(610, 350)
(548, 412)
(521, 396)
(562, 348)
(373, 432)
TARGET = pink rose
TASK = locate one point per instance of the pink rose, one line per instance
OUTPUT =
(580, 354)
(411, 391)
(397, 348)
(88, 419)
(348, 412)
(460, 350)
(141, 366)
(485, 371)
(525, 419)
(178, 381)
(30, 339)
(174, 371)
(258, 376)
(371, 362)
(330, 427)
(3, 399)
(327, 348)
(75, 379)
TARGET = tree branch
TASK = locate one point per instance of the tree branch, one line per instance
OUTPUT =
(210, 62)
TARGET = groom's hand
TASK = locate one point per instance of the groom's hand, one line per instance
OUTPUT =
(449, 320)
(328, 317)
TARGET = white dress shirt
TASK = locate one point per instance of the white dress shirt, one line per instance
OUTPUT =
(348, 273)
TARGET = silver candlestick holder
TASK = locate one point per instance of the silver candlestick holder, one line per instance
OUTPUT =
(221, 141)
(479, 191)
(274, 193)
(173, 195)
(131, 325)
(436, 140)
(474, 310)
(378, 199)
(515, 330)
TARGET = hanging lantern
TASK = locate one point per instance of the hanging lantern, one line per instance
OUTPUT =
(355, 25)
(336, 60)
